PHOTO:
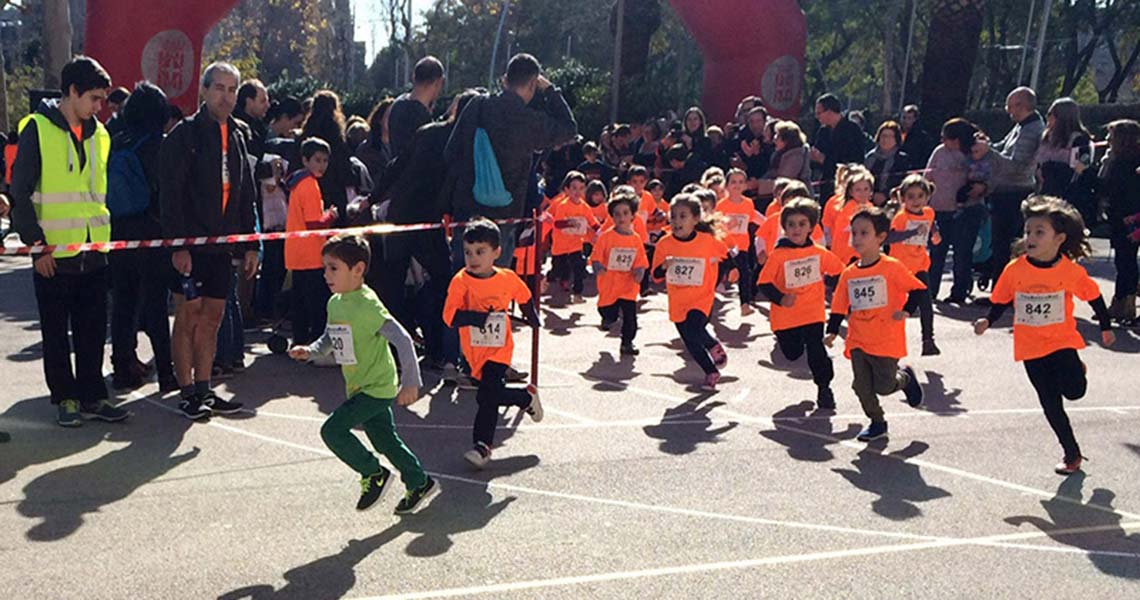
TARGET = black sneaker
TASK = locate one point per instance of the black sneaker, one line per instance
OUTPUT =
(123, 383)
(168, 384)
(954, 300)
(193, 409)
(825, 399)
(373, 488)
(873, 431)
(929, 348)
(103, 411)
(219, 406)
(629, 350)
(414, 498)
(513, 375)
(607, 325)
(913, 389)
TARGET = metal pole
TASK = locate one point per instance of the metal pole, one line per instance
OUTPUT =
(909, 46)
(495, 49)
(1041, 43)
(616, 92)
(535, 293)
(1025, 46)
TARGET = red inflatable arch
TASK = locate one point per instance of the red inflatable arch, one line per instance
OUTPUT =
(159, 40)
(750, 48)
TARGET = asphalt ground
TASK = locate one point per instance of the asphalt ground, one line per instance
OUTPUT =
(635, 485)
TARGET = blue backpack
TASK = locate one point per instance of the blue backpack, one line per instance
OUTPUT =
(128, 192)
(488, 189)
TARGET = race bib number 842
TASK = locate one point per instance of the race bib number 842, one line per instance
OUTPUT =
(1039, 310)
(867, 293)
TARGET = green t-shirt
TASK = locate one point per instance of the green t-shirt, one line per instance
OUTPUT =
(354, 323)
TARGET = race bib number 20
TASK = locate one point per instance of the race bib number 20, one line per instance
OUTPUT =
(1039, 310)
(867, 293)
(343, 351)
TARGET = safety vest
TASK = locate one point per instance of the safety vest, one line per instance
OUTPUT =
(70, 202)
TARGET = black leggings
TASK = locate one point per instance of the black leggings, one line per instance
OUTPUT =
(1057, 376)
(628, 311)
(925, 306)
(745, 264)
(793, 343)
(569, 266)
(493, 393)
(694, 333)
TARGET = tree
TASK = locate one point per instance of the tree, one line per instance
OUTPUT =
(952, 49)
(57, 35)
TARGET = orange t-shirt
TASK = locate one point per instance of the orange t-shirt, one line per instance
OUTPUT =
(77, 131)
(225, 165)
(638, 228)
(621, 255)
(492, 294)
(772, 231)
(601, 212)
(1043, 305)
(799, 271)
(912, 251)
(869, 296)
(841, 232)
(738, 216)
(774, 208)
(524, 255)
(305, 206)
(691, 277)
(566, 241)
(830, 210)
(9, 161)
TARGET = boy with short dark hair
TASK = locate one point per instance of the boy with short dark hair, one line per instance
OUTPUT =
(303, 255)
(358, 335)
(477, 302)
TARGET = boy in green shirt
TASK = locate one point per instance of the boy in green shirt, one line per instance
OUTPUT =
(357, 336)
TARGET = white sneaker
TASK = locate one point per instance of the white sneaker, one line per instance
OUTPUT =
(535, 408)
(478, 456)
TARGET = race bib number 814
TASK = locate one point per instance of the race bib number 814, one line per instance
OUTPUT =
(493, 333)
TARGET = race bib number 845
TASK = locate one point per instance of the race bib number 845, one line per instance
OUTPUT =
(867, 293)
(1039, 310)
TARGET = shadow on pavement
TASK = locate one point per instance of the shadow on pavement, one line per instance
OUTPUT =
(807, 447)
(1111, 551)
(899, 485)
(680, 439)
(461, 507)
(939, 399)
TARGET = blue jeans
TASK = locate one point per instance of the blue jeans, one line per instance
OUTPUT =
(959, 230)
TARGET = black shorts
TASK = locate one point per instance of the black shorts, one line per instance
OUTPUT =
(212, 272)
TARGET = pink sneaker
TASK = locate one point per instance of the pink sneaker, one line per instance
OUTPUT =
(710, 382)
(719, 356)
(1068, 467)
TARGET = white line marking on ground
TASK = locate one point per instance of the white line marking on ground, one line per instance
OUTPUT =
(714, 566)
(729, 413)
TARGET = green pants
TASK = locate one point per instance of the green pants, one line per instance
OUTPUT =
(374, 415)
(875, 376)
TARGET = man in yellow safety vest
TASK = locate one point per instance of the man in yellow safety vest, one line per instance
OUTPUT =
(59, 184)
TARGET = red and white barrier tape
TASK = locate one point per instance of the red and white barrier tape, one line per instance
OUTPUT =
(377, 229)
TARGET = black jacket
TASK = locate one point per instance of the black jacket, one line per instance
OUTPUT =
(516, 131)
(26, 176)
(190, 182)
(149, 224)
(918, 146)
(413, 181)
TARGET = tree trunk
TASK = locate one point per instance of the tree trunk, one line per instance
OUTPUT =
(890, 48)
(951, 51)
(57, 40)
(4, 128)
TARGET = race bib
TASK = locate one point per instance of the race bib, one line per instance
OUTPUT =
(867, 293)
(685, 271)
(738, 223)
(344, 353)
(802, 272)
(918, 239)
(1039, 310)
(493, 333)
(621, 259)
(577, 226)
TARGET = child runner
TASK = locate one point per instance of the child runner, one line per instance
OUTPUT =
(856, 195)
(303, 255)
(832, 205)
(772, 231)
(358, 335)
(574, 223)
(1041, 284)
(912, 229)
(793, 280)
(740, 215)
(876, 293)
(619, 260)
(477, 303)
(687, 260)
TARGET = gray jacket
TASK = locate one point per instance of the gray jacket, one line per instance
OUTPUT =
(1015, 157)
